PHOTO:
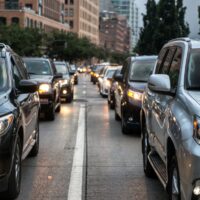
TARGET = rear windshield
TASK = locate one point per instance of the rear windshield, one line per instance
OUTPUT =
(193, 75)
(3, 76)
(109, 73)
(141, 70)
(38, 67)
(61, 68)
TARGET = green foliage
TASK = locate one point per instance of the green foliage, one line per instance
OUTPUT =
(26, 42)
(163, 21)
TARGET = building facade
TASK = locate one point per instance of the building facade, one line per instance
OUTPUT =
(114, 32)
(83, 18)
(43, 14)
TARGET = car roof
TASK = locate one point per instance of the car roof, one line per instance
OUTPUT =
(138, 58)
(36, 58)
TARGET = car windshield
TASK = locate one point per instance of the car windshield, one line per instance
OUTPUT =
(97, 68)
(3, 76)
(38, 67)
(141, 70)
(72, 68)
(194, 70)
(109, 73)
(61, 68)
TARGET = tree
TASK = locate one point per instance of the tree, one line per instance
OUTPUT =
(26, 42)
(146, 44)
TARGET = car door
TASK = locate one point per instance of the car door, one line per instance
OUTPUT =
(23, 100)
(160, 107)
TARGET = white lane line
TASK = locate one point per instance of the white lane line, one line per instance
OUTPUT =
(76, 178)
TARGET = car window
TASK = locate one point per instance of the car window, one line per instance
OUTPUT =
(175, 68)
(16, 72)
(193, 72)
(38, 67)
(141, 70)
(3, 76)
(21, 67)
(164, 68)
(109, 73)
(61, 68)
(161, 59)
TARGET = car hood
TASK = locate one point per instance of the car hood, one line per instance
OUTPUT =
(42, 79)
(195, 95)
(139, 86)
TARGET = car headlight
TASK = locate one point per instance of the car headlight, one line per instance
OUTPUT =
(196, 129)
(134, 95)
(5, 123)
(44, 88)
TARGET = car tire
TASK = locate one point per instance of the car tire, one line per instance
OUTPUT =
(125, 129)
(174, 180)
(51, 113)
(35, 149)
(117, 118)
(14, 181)
(148, 169)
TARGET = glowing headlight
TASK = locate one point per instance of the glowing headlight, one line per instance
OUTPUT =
(134, 95)
(5, 123)
(44, 88)
(196, 129)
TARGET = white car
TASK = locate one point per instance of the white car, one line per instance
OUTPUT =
(105, 80)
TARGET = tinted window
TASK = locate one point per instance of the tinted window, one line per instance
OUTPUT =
(141, 70)
(175, 68)
(61, 68)
(109, 73)
(3, 76)
(38, 67)
(193, 75)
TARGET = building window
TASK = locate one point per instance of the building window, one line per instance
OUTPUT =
(11, 4)
(71, 24)
(71, 12)
(29, 5)
(15, 20)
(2, 21)
(71, 2)
(66, 1)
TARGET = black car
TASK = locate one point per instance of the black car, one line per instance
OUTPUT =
(113, 86)
(67, 87)
(73, 73)
(19, 111)
(44, 72)
(128, 94)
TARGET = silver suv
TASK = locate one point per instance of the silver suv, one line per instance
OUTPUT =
(170, 120)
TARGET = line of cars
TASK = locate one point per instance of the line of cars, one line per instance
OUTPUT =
(28, 87)
(160, 98)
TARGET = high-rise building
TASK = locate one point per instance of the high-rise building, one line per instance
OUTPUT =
(44, 14)
(105, 5)
(114, 32)
(83, 18)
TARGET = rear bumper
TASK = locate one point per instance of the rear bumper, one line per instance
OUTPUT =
(66, 91)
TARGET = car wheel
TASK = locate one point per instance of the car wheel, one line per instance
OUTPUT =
(14, 181)
(51, 113)
(112, 103)
(174, 180)
(125, 129)
(35, 148)
(117, 118)
(148, 169)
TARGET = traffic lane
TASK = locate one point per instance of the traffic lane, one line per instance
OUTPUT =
(47, 176)
(114, 164)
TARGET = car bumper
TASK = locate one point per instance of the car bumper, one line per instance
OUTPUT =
(189, 168)
(46, 102)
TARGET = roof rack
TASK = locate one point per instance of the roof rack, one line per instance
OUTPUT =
(185, 39)
(2, 46)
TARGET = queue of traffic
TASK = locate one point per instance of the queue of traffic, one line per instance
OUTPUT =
(159, 97)
(29, 87)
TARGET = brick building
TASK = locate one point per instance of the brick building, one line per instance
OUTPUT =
(114, 33)
(83, 18)
(44, 14)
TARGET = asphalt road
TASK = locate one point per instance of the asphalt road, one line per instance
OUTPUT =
(112, 162)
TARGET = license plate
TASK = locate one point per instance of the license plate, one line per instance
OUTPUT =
(44, 101)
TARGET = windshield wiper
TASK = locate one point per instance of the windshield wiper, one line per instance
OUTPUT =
(139, 81)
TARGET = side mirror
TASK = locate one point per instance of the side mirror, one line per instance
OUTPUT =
(58, 76)
(118, 77)
(28, 86)
(159, 83)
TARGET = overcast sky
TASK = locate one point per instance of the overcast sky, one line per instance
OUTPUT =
(142, 9)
